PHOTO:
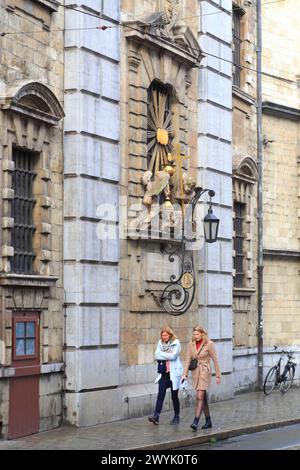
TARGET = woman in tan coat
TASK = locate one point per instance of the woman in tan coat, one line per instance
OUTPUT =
(203, 350)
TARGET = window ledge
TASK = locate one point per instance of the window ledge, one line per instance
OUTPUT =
(6, 372)
(27, 280)
(52, 368)
(56, 367)
(243, 292)
(242, 95)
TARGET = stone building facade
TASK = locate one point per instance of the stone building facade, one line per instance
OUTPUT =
(31, 172)
(151, 110)
(244, 196)
(281, 126)
(280, 137)
(112, 272)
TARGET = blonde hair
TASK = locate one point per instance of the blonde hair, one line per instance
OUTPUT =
(203, 332)
(169, 331)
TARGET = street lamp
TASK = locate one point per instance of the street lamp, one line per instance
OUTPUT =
(210, 221)
(211, 226)
(178, 295)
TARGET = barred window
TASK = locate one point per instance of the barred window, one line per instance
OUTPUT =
(237, 14)
(22, 211)
(239, 210)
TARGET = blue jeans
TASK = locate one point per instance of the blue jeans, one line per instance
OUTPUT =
(164, 383)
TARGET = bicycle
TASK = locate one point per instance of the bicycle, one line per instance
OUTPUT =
(284, 380)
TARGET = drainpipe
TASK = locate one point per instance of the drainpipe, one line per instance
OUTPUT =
(64, 383)
(260, 261)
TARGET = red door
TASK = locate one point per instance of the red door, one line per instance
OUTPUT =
(24, 387)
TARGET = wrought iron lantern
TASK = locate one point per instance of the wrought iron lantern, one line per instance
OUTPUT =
(211, 226)
(178, 295)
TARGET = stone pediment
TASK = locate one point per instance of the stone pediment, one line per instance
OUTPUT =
(179, 41)
(245, 168)
(32, 100)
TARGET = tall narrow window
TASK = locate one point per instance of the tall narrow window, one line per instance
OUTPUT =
(22, 211)
(239, 210)
(237, 14)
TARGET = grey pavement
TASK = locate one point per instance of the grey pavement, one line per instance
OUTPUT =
(244, 414)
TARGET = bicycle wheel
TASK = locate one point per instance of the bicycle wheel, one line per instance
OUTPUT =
(270, 381)
(287, 381)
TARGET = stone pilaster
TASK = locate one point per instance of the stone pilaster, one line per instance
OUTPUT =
(214, 172)
(92, 166)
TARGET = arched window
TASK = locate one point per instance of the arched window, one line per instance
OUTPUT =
(245, 176)
(31, 111)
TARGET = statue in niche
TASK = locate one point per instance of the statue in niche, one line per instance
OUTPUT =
(157, 197)
(153, 188)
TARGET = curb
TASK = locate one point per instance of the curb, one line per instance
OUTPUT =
(221, 435)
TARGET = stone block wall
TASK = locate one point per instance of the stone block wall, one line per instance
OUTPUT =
(214, 172)
(92, 169)
(281, 178)
(32, 65)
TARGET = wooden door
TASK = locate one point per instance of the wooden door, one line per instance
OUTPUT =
(24, 387)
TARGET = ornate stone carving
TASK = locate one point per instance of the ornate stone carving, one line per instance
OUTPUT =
(162, 23)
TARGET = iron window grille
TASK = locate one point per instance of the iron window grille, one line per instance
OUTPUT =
(22, 211)
(239, 210)
(237, 14)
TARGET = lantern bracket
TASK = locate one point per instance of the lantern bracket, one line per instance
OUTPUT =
(177, 297)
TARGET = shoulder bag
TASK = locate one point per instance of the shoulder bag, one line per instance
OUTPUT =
(194, 362)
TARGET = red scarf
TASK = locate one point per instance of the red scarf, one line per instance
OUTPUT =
(199, 344)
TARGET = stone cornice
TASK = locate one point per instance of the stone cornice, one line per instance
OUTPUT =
(32, 113)
(51, 5)
(184, 47)
(243, 96)
(281, 111)
(243, 292)
(282, 253)
(23, 280)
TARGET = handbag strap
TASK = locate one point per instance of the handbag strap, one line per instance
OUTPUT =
(202, 346)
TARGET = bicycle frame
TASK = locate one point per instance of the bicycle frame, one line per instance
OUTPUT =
(285, 379)
(289, 365)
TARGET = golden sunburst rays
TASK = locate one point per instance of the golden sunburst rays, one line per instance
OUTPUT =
(160, 131)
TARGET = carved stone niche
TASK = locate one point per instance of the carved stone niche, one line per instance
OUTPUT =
(167, 53)
(169, 61)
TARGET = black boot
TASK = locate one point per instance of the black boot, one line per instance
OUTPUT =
(195, 423)
(154, 419)
(175, 420)
(208, 423)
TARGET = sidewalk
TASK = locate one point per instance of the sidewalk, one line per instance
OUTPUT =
(251, 412)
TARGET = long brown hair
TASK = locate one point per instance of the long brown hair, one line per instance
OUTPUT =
(203, 332)
(167, 329)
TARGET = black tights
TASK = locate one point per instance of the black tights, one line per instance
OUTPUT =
(202, 404)
(163, 384)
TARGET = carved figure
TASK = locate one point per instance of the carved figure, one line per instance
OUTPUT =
(153, 189)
